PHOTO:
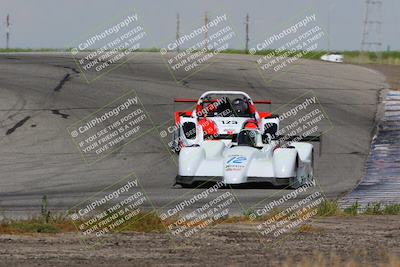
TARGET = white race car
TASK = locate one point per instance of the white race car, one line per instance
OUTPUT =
(226, 139)
(218, 115)
(332, 57)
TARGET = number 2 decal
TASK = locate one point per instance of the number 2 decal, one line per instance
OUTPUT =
(236, 160)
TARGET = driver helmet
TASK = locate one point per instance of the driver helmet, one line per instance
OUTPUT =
(240, 106)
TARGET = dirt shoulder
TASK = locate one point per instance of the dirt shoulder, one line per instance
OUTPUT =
(392, 73)
(368, 239)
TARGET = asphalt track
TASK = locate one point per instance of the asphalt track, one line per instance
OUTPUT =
(38, 100)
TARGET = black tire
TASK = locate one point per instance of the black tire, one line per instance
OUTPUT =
(312, 163)
(187, 186)
(295, 184)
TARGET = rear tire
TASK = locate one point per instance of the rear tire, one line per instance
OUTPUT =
(188, 186)
(295, 182)
(311, 174)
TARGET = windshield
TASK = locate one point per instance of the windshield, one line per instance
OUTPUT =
(226, 106)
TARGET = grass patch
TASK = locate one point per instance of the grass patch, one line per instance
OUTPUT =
(49, 223)
(352, 57)
(308, 228)
(373, 209)
(329, 208)
(35, 225)
(352, 210)
(385, 57)
(306, 54)
(143, 222)
(392, 209)
(151, 222)
(19, 50)
(378, 209)
(32, 227)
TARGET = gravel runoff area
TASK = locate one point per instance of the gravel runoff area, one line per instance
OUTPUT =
(392, 73)
(366, 239)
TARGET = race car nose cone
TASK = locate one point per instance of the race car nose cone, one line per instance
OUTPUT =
(235, 165)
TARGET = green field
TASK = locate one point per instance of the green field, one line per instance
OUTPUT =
(353, 57)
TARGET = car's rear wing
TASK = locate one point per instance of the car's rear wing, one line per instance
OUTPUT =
(298, 138)
(268, 102)
(185, 100)
(190, 100)
(265, 102)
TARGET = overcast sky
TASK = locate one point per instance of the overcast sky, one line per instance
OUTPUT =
(62, 23)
